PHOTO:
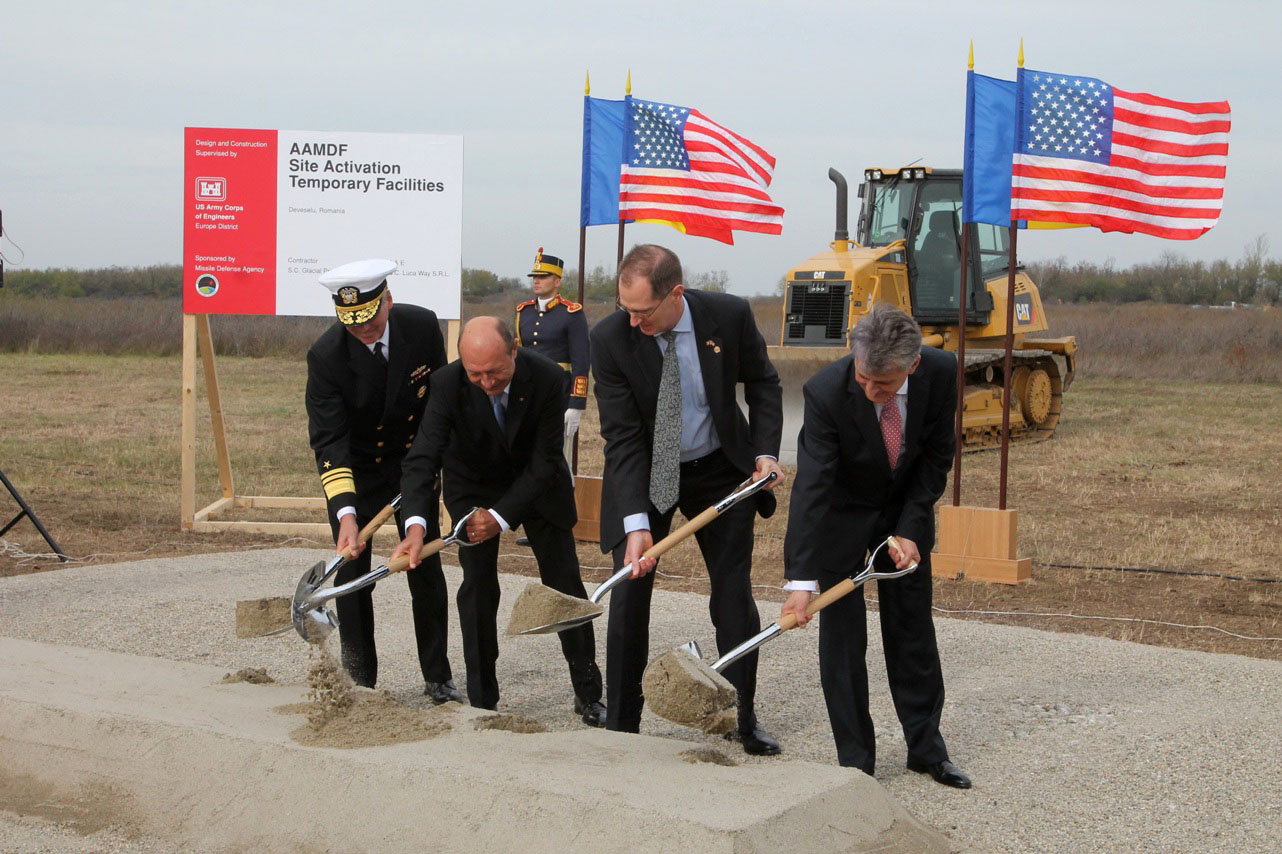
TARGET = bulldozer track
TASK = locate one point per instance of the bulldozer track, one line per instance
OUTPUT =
(1038, 381)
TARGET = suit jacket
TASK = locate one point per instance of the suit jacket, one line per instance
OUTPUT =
(520, 472)
(845, 495)
(363, 414)
(626, 364)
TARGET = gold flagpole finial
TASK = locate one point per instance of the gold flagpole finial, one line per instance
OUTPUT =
(629, 89)
(970, 63)
(1021, 53)
(587, 83)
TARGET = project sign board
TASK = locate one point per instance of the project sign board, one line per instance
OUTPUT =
(265, 212)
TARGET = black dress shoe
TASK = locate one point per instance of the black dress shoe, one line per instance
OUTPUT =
(755, 740)
(591, 713)
(943, 772)
(442, 692)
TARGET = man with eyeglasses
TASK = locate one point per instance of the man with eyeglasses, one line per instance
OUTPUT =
(666, 367)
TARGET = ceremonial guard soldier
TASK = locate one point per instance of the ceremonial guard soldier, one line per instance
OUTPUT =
(557, 329)
(367, 387)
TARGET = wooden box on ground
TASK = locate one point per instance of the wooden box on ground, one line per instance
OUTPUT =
(587, 501)
(978, 543)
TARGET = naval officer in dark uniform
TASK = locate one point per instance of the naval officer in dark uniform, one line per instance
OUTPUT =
(367, 387)
(557, 329)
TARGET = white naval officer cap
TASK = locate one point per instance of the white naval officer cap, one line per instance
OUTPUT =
(358, 288)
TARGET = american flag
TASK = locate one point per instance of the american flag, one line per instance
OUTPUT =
(685, 170)
(1088, 153)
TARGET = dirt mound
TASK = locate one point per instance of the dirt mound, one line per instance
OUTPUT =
(340, 714)
(252, 675)
(510, 722)
(707, 754)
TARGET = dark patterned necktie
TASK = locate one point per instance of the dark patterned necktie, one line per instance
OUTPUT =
(380, 352)
(665, 452)
(892, 430)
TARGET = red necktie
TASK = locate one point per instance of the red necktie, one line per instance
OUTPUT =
(892, 430)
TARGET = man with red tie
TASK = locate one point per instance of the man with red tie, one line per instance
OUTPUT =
(873, 457)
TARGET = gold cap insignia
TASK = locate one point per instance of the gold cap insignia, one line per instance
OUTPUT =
(349, 296)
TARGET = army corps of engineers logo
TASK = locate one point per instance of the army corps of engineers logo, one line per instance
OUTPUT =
(207, 285)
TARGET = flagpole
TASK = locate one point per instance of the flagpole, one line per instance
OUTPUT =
(959, 427)
(618, 259)
(583, 229)
(961, 364)
(1006, 366)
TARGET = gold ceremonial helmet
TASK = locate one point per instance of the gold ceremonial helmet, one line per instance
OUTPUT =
(545, 265)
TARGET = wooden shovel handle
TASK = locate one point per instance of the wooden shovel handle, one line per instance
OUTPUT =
(370, 529)
(681, 533)
(402, 563)
(823, 600)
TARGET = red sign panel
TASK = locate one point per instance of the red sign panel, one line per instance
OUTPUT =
(229, 221)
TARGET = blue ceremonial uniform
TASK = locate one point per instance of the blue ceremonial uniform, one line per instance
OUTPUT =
(559, 332)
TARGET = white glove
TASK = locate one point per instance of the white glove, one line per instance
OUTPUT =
(572, 419)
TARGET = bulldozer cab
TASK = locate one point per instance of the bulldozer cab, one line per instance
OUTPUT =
(922, 207)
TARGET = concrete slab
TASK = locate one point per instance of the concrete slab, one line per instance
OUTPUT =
(175, 753)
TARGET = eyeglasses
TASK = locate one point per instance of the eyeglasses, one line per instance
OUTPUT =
(643, 315)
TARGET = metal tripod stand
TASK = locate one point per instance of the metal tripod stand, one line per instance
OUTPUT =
(30, 514)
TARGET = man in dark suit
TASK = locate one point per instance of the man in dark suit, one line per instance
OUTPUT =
(666, 368)
(493, 431)
(872, 459)
(367, 382)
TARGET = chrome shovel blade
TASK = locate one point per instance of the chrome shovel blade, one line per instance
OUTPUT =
(313, 622)
(561, 625)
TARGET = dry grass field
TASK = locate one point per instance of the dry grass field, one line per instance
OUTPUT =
(1164, 460)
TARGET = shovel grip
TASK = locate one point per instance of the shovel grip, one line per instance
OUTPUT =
(681, 533)
(823, 600)
(372, 528)
(402, 563)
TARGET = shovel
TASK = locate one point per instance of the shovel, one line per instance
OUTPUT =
(823, 600)
(314, 621)
(682, 688)
(263, 617)
(744, 490)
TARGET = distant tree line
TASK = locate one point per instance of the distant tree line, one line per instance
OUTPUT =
(165, 280)
(1254, 278)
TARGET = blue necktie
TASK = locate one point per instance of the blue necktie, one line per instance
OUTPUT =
(500, 412)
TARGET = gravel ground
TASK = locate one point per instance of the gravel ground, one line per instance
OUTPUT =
(1075, 743)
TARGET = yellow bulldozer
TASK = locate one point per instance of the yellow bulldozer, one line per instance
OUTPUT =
(908, 254)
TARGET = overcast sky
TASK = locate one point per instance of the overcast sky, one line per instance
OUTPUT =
(96, 96)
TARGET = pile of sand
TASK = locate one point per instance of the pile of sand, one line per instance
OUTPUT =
(258, 617)
(252, 675)
(339, 714)
(540, 605)
(509, 722)
(707, 754)
(685, 690)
